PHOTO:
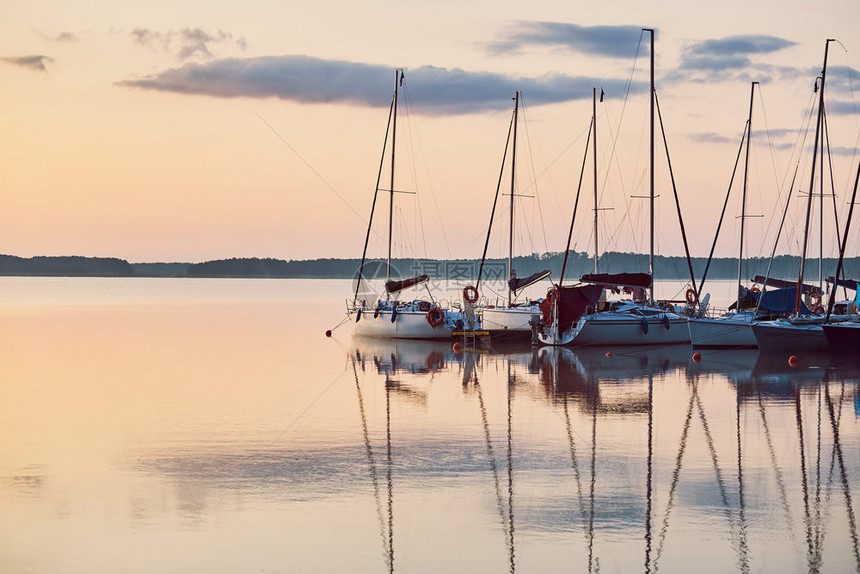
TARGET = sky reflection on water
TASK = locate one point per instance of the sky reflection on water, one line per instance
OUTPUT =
(204, 426)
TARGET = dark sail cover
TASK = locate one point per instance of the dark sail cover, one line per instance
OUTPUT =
(517, 284)
(847, 283)
(780, 283)
(779, 301)
(573, 301)
(642, 280)
(397, 286)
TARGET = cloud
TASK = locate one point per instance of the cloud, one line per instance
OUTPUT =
(431, 90)
(841, 108)
(609, 41)
(36, 62)
(64, 37)
(187, 43)
(731, 58)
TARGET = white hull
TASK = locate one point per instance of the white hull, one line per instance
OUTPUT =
(728, 331)
(610, 328)
(514, 320)
(407, 325)
(782, 336)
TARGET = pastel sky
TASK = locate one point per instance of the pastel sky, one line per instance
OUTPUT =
(188, 131)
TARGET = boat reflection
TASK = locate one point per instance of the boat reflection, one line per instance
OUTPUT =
(645, 451)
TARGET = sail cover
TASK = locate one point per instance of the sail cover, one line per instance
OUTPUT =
(642, 280)
(517, 284)
(771, 282)
(847, 283)
(778, 301)
(398, 286)
(572, 303)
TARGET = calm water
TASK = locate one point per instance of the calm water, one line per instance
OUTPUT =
(173, 425)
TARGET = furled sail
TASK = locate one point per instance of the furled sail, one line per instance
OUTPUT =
(642, 280)
(399, 285)
(517, 284)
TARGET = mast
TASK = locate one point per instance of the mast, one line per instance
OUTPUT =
(398, 78)
(744, 196)
(513, 182)
(651, 194)
(812, 179)
(594, 161)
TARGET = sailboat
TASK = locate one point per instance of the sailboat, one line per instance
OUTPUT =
(388, 316)
(803, 331)
(730, 329)
(579, 317)
(511, 319)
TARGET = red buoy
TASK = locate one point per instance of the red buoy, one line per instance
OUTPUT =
(457, 347)
(609, 353)
(697, 357)
(792, 361)
(328, 333)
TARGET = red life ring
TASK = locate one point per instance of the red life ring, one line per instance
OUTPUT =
(755, 289)
(470, 294)
(435, 316)
(814, 298)
(552, 296)
(818, 310)
(692, 298)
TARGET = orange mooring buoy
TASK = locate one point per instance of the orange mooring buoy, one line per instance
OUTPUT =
(457, 347)
(697, 357)
(609, 353)
(792, 361)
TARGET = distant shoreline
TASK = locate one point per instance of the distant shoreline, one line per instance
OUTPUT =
(667, 268)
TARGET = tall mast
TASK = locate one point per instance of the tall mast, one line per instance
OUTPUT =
(594, 149)
(812, 179)
(744, 195)
(513, 182)
(397, 79)
(651, 194)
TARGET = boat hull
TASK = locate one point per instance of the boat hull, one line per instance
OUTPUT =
(843, 337)
(509, 322)
(728, 331)
(611, 329)
(782, 336)
(406, 325)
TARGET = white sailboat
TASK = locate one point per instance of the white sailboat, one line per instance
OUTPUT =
(579, 317)
(510, 319)
(387, 315)
(731, 329)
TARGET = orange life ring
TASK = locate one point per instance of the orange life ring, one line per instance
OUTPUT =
(552, 296)
(814, 298)
(755, 289)
(692, 298)
(817, 310)
(470, 294)
(435, 316)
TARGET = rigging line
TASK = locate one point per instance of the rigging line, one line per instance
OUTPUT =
(723, 212)
(372, 464)
(527, 124)
(307, 408)
(676, 474)
(310, 167)
(846, 489)
(576, 204)
(420, 147)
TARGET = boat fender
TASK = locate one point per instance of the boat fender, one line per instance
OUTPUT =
(394, 314)
(376, 312)
(644, 325)
(666, 321)
(358, 316)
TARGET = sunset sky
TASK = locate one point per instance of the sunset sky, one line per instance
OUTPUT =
(188, 131)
